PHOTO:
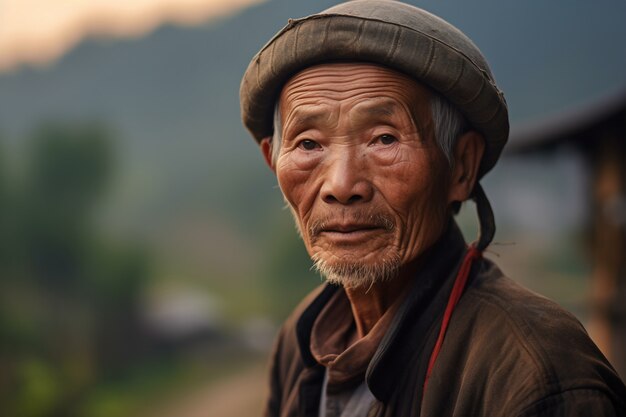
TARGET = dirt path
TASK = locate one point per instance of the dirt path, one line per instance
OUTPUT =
(240, 395)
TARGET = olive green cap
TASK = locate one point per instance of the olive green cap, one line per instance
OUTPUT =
(389, 33)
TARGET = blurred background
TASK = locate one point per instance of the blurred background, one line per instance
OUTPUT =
(146, 259)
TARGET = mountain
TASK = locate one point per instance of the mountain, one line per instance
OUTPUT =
(172, 96)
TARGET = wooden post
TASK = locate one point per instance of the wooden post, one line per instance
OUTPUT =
(607, 323)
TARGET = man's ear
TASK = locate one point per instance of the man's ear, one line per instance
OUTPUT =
(266, 149)
(468, 153)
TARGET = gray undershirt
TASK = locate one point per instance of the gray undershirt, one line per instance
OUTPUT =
(351, 403)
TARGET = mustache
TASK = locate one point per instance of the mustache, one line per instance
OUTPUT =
(360, 217)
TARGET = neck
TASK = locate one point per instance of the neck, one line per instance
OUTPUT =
(369, 304)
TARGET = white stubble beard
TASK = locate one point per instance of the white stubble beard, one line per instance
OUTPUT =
(357, 274)
(352, 274)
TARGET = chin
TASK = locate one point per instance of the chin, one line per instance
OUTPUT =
(356, 273)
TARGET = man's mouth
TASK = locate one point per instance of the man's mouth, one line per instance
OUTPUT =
(350, 234)
(351, 228)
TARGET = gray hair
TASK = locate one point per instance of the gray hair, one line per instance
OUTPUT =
(448, 122)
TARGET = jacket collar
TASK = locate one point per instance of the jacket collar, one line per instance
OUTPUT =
(413, 332)
(415, 321)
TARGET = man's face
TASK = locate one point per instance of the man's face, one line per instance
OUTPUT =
(360, 168)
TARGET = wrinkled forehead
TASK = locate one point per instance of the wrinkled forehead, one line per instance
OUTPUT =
(384, 89)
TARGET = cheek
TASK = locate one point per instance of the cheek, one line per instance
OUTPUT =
(410, 183)
(416, 193)
(297, 185)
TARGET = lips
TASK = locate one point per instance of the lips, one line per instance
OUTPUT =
(349, 234)
(349, 228)
(356, 224)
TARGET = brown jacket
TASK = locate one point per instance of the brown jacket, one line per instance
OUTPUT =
(507, 352)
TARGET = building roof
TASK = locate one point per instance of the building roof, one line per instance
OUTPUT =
(572, 126)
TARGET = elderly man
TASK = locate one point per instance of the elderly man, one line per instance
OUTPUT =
(379, 119)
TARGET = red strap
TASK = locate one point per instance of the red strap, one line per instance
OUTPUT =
(455, 295)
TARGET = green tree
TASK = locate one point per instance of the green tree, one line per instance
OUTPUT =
(68, 298)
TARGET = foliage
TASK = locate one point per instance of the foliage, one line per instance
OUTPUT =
(68, 300)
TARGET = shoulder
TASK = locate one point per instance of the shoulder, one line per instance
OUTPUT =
(525, 348)
(291, 349)
(286, 343)
(286, 363)
(537, 327)
(506, 309)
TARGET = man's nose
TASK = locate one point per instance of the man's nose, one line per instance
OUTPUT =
(345, 181)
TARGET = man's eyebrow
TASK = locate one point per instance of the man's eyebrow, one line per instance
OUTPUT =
(377, 108)
(385, 108)
(305, 117)
(381, 109)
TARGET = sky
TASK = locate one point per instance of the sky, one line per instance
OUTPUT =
(40, 31)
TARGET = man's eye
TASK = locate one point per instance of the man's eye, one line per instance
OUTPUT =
(387, 139)
(308, 144)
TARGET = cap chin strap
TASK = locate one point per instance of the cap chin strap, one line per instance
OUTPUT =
(474, 252)
(485, 218)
